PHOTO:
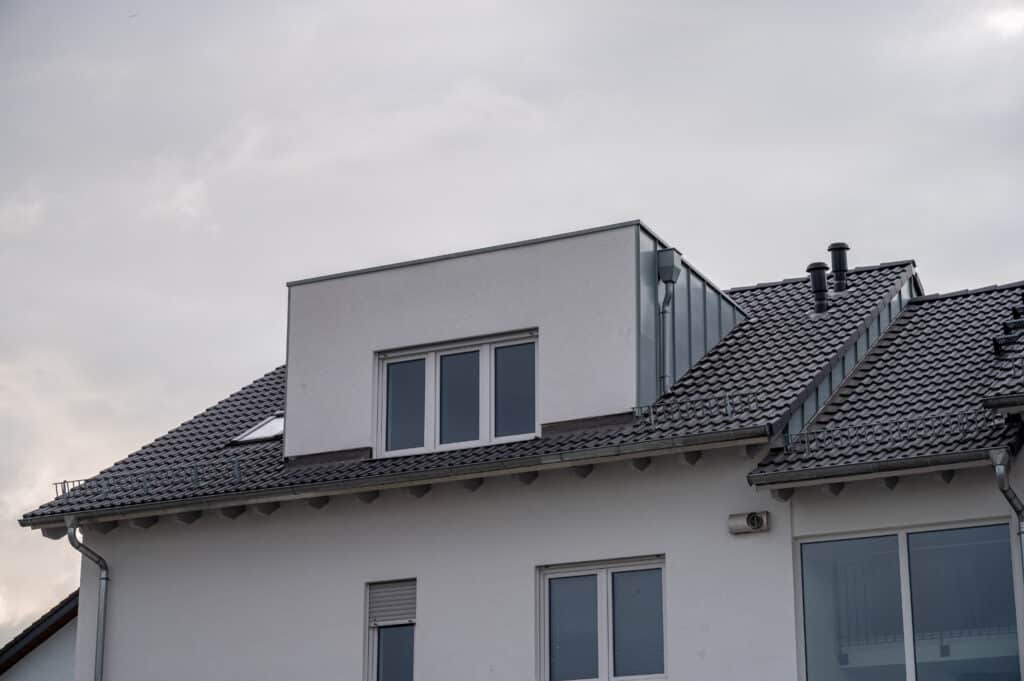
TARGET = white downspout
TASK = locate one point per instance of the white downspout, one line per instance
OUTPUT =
(101, 604)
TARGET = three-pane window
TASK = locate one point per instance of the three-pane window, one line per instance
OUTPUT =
(604, 622)
(961, 622)
(458, 395)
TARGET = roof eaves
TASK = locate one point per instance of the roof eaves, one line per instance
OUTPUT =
(869, 469)
(966, 292)
(651, 447)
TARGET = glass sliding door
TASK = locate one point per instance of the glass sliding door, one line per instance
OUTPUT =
(853, 622)
(935, 605)
(961, 586)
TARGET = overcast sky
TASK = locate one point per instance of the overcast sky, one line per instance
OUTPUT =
(166, 167)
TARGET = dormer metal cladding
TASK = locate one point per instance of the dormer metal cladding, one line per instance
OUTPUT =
(682, 316)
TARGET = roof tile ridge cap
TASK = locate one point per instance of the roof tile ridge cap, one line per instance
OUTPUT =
(991, 288)
(767, 284)
(794, 280)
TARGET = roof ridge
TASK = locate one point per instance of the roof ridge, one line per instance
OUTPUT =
(967, 292)
(793, 280)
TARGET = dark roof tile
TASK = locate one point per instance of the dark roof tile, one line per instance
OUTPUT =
(917, 395)
(748, 381)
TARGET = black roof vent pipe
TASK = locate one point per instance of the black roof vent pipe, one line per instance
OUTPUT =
(819, 285)
(839, 265)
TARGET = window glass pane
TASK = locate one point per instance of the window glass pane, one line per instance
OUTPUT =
(405, 404)
(514, 391)
(637, 622)
(572, 625)
(460, 397)
(395, 652)
(853, 622)
(961, 588)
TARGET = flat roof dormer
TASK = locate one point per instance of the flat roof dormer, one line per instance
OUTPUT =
(484, 346)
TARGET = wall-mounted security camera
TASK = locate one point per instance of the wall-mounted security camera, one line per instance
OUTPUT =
(748, 523)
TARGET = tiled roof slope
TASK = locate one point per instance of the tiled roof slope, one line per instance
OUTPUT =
(1007, 386)
(915, 399)
(745, 386)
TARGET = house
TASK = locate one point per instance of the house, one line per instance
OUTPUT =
(578, 458)
(45, 650)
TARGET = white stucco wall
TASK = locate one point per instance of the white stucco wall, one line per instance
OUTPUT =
(54, 660)
(577, 290)
(283, 597)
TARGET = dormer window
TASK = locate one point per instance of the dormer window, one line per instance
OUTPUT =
(457, 395)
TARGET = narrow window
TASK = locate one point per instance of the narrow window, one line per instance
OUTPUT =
(961, 588)
(406, 388)
(392, 624)
(853, 622)
(514, 390)
(604, 622)
(460, 397)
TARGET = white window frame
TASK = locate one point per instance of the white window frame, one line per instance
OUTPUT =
(605, 622)
(372, 642)
(432, 355)
(901, 533)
